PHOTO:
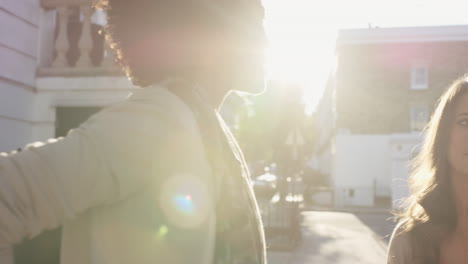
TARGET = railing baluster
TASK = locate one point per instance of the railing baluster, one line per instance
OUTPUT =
(61, 43)
(108, 56)
(78, 55)
(86, 42)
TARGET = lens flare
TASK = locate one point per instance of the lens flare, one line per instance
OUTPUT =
(184, 203)
(162, 232)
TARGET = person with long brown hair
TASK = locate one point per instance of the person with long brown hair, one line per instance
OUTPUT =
(434, 226)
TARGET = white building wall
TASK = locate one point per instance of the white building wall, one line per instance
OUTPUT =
(16, 107)
(403, 148)
(19, 29)
(28, 102)
(361, 169)
(56, 92)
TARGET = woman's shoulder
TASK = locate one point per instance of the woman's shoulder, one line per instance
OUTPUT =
(400, 247)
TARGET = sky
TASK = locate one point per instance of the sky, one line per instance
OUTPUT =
(302, 33)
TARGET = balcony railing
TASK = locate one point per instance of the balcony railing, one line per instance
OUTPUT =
(79, 47)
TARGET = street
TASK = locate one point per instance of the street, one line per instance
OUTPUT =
(339, 238)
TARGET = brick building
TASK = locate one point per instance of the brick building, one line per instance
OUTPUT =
(377, 101)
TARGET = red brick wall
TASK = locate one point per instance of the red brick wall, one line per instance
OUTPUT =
(373, 92)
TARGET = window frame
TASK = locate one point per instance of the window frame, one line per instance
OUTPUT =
(415, 85)
(414, 123)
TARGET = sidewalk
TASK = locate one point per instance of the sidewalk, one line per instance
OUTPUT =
(337, 238)
(367, 210)
(276, 257)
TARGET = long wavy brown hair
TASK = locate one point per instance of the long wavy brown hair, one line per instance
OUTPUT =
(431, 213)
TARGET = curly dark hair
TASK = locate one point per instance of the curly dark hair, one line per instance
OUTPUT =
(179, 23)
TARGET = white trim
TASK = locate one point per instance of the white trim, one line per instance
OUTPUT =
(100, 83)
(403, 35)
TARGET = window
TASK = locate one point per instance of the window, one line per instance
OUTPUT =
(419, 116)
(419, 78)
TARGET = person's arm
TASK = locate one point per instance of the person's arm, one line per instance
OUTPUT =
(399, 248)
(108, 158)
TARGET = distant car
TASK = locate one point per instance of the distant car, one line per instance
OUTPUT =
(265, 185)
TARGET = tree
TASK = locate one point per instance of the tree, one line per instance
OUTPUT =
(265, 121)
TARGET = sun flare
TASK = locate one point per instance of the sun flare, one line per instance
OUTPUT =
(301, 47)
(302, 33)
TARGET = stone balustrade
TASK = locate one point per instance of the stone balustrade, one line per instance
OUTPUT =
(79, 46)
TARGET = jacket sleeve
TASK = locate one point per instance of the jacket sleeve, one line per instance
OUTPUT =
(105, 160)
(400, 249)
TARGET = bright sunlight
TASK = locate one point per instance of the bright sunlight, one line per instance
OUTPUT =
(303, 33)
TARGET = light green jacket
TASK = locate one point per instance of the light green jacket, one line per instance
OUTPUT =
(130, 185)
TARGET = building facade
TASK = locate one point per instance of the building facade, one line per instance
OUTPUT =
(19, 56)
(378, 100)
(54, 66)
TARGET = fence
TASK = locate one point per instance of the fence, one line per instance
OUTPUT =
(282, 221)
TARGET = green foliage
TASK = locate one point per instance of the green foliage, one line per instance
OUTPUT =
(264, 122)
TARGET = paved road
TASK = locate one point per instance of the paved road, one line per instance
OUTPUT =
(381, 224)
(339, 238)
